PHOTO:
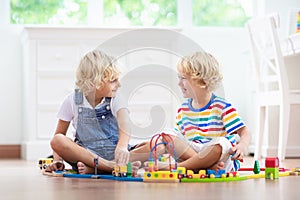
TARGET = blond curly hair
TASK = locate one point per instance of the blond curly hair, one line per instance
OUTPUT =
(202, 67)
(95, 69)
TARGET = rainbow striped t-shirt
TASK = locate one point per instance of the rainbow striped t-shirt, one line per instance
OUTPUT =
(217, 119)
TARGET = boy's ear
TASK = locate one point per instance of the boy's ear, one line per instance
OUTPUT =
(202, 84)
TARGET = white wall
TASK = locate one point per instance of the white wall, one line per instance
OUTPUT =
(10, 86)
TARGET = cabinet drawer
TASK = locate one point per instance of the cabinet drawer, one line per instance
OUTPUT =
(52, 87)
(57, 55)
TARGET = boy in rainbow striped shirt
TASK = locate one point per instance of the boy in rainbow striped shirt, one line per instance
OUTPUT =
(207, 125)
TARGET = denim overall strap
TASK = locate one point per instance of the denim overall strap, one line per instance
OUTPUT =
(97, 129)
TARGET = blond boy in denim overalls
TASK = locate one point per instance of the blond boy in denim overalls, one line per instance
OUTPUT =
(99, 118)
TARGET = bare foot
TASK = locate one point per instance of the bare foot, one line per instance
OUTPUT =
(135, 166)
(84, 169)
(219, 165)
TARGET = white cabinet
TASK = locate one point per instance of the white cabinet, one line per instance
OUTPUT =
(51, 56)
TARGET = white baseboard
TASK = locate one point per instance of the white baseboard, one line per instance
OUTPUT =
(293, 151)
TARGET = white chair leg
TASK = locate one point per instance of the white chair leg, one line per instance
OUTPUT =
(266, 129)
(260, 129)
(284, 116)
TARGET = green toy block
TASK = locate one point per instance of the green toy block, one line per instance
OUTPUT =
(129, 170)
(272, 173)
(256, 168)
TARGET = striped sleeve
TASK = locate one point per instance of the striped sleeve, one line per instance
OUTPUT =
(231, 119)
(178, 126)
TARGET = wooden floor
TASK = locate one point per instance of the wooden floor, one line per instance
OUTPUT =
(23, 180)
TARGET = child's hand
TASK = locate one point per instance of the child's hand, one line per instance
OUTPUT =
(236, 154)
(55, 166)
(121, 155)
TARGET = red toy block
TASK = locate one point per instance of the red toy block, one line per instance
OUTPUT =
(272, 162)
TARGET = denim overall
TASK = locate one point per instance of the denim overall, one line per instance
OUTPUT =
(97, 129)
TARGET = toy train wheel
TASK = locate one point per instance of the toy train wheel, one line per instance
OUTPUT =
(202, 176)
(123, 174)
(180, 176)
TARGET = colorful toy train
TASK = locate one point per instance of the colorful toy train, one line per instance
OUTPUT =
(122, 171)
(181, 174)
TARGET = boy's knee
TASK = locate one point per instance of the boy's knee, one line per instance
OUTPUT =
(56, 141)
(218, 149)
